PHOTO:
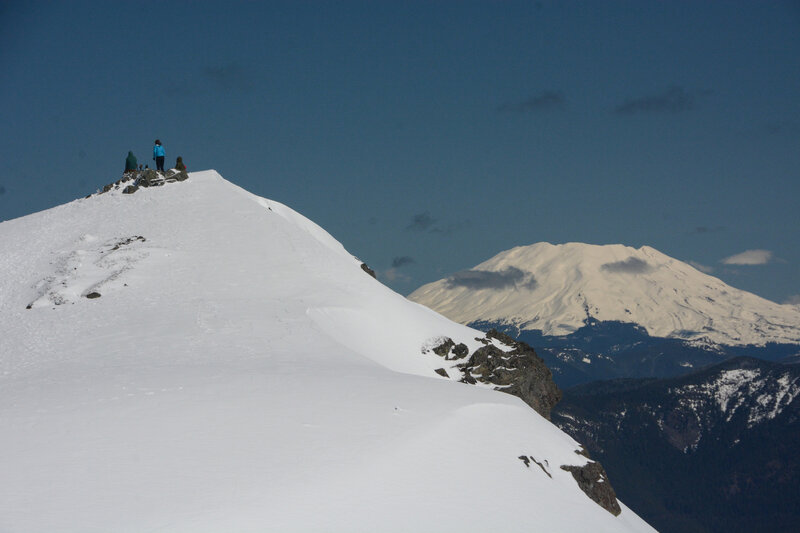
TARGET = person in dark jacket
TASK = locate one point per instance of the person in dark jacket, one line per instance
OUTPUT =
(158, 155)
(130, 163)
(179, 164)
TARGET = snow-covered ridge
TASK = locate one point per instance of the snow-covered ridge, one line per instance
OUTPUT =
(555, 288)
(195, 358)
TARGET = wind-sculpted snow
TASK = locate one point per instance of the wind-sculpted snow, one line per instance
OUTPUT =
(192, 357)
(576, 282)
(87, 268)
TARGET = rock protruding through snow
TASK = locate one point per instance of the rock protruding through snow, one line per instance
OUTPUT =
(131, 181)
(592, 480)
(515, 369)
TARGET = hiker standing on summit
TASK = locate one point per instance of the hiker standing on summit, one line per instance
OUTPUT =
(158, 155)
(130, 163)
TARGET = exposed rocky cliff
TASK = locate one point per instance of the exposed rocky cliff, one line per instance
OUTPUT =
(509, 365)
(514, 367)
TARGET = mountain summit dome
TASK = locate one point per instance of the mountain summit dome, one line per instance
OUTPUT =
(558, 288)
(193, 357)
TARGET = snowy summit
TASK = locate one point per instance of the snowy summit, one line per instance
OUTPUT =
(195, 358)
(557, 288)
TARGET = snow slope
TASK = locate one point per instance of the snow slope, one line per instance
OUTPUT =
(555, 288)
(240, 372)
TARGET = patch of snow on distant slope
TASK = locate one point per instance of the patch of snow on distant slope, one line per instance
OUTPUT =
(771, 405)
(729, 386)
(763, 395)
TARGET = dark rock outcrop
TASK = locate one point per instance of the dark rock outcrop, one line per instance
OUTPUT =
(527, 459)
(451, 351)
(368, 270)
(149, 178)
(127, 241)
(178, 175)
(518, 371)
(145, 178)
(592, 480)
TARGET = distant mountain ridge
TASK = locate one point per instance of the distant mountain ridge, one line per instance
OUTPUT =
(609, 350)
(714, 450)
(557, 289)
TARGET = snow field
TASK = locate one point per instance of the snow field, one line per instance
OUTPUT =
(240, 372)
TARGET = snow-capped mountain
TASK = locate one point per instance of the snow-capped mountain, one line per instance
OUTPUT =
(728, 432)
(192, 357)
(555, 289)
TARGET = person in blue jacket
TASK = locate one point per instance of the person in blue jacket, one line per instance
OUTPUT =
(158, 155)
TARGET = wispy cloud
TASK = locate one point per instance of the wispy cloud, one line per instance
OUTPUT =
(749, 257)
(424, 222)
(702, 230)
(793, 300)
(449, 229)
(487, 279)
(225, 78)
(631, 265)
(229, 77)
(2, 190)
(421, 222)
(538, 102)
(701, 267)
(782, 129)
(398, 262)
(393, 274)
(674, 100)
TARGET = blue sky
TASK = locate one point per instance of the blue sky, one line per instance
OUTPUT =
(429, 136)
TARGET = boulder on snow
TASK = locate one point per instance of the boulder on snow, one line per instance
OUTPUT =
(450, 350)
(368, 270)
(127, 177)
(149, 178)
(592, 480)
(442, 372)
(176, 175)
